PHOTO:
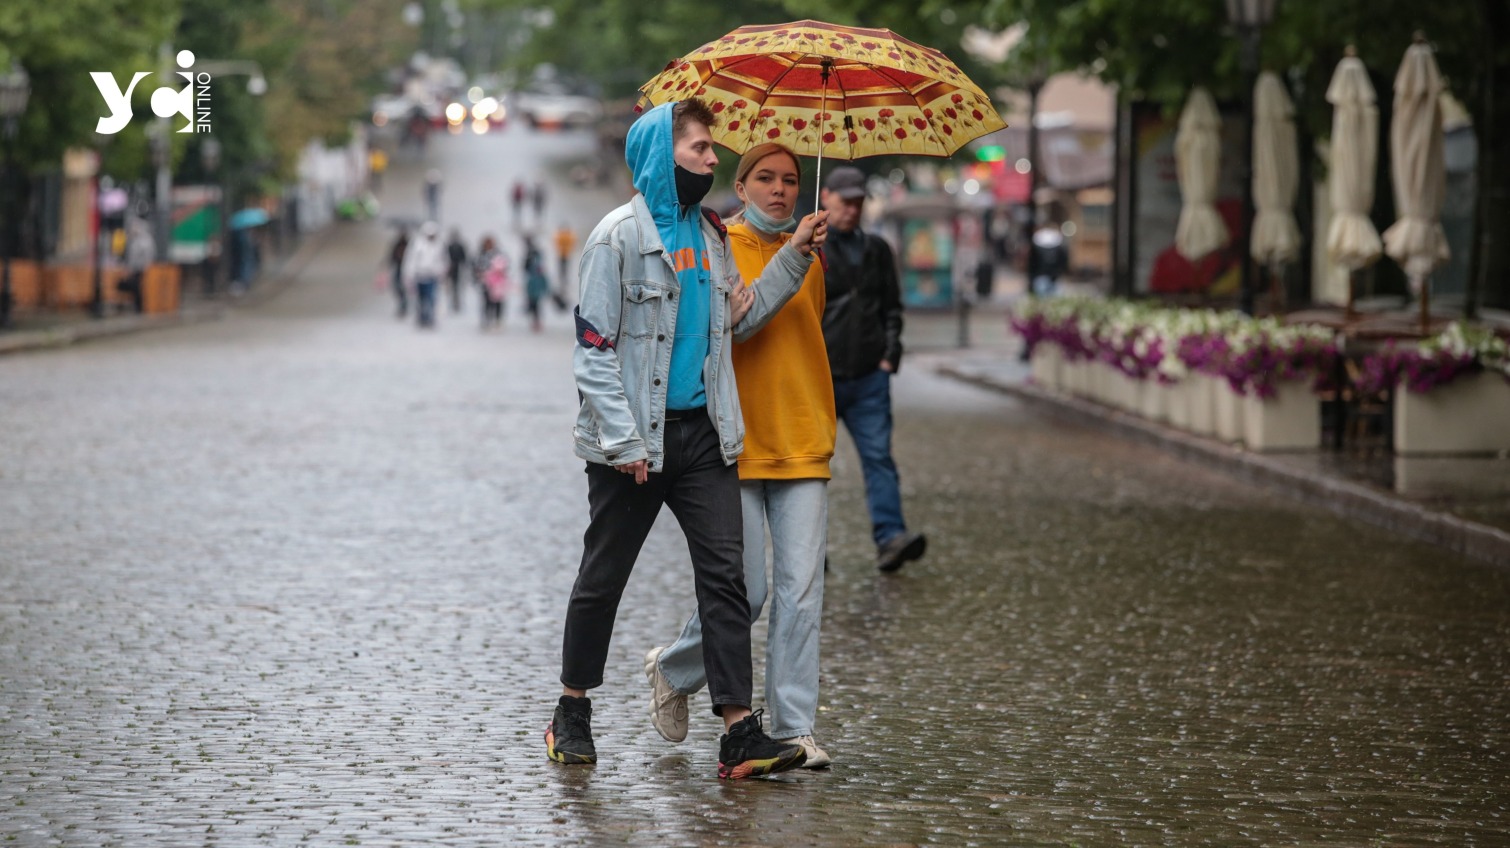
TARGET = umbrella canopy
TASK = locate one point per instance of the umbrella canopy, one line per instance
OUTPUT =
(883, 94)
(1416, 241)
(1352, 240)
(248, 217)
(1197, 157)
(1276, 173)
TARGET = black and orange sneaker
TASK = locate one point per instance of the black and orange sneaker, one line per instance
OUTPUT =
(745, 751)
(568, 738)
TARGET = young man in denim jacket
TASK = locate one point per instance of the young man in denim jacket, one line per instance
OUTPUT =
(661, 301)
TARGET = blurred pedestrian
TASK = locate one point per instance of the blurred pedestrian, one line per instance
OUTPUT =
(536, 284)
(416, 129)
(862, 325)
(377, 164)
(490, 270)
(648, 273)
(517, 197)
(396, 262)
(538, 198)
(432, 193)
(1048, 259)
(424, 263)
(787, 400)
(141, 252)
(456, 259)
(566, 242)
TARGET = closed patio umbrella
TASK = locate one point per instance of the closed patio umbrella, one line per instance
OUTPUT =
(1197, 156)
(1276, 237)
(1352, 240)
(1416, 161)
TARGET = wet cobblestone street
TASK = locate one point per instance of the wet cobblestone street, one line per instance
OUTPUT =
(298, 577)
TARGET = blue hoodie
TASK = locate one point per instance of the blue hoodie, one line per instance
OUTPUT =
(650, 152)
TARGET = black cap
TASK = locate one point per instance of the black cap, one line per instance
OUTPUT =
(846, 181)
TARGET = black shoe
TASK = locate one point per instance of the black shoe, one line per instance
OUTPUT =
(901, 549)
(568, 738)
(745, 751)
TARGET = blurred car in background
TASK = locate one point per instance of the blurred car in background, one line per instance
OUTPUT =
(479, 111)
(555, 106)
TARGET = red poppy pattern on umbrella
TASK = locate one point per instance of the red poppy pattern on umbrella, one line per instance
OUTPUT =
(885, 94)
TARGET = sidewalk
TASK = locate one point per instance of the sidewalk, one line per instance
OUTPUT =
(1461, 504)
(43, 329)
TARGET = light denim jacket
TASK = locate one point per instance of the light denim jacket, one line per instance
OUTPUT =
(629, 294)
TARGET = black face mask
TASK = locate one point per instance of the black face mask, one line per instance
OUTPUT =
(692, 188)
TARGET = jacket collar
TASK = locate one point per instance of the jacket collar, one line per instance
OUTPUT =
(650, 236)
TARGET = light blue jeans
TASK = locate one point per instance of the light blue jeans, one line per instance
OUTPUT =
(797, 514)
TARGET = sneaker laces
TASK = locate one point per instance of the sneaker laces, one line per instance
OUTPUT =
(752, 724)
(578, 722)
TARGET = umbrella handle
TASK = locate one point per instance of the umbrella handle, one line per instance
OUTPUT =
(823, 113)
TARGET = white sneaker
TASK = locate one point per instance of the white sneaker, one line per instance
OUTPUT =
(668, 707)
(816, 757)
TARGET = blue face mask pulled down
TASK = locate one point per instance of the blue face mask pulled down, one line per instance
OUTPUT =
(765, 223)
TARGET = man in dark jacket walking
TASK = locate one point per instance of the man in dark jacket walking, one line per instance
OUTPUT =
(862, 326)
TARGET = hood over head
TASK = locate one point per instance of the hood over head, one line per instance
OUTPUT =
(650, 151)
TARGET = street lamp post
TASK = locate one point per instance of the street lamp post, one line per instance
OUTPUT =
(209, 156)
(15, 88)
(1249, 17)
(97, 302)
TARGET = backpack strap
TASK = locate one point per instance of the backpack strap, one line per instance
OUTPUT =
(718, 224)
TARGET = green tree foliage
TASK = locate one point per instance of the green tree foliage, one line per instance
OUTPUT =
(324, 59)
(321, 58)
(59, 43)
(622, 43)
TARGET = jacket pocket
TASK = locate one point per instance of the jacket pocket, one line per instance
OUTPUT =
(642, 309)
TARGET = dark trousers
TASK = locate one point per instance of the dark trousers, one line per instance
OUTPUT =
(703, 494)
(400, 293)
(132, 285)
(453, 282)
(424, 291)
(492, 310)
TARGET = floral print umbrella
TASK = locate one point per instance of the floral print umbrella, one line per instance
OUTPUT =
(829, 91)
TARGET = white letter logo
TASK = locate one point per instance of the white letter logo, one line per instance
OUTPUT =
(117, 102)
(166, 101)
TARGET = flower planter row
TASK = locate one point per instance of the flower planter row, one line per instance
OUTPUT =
(1290, 419)
(1451, 394)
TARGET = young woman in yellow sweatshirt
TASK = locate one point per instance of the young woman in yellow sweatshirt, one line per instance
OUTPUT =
(787, 395)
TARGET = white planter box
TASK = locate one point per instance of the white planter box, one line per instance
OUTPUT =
(1229, 416)
(1154, 400)
(1291, 420)
(1469, 415)
(1122, 390)
(1177, 402)
(1202, 399)
(1095, 382)
(1046, 363)
(1074, 377)
(1100, 383)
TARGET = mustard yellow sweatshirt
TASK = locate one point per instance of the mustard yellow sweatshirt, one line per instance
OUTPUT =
(785, 388)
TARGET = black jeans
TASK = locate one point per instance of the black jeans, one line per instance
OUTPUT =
(703, 494)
